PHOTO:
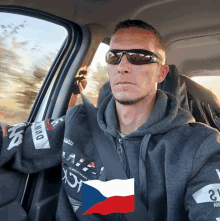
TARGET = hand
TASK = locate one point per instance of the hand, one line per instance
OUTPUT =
(82, 84)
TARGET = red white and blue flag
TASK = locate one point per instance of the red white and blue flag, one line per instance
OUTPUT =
(114, 196)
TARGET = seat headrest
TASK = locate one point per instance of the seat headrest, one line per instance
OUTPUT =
(175, 84)
(201, 94)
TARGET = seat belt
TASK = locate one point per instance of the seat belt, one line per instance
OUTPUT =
(110, 159)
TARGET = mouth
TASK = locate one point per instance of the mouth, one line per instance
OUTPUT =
(124, 82)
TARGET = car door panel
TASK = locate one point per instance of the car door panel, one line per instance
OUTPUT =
(12, 186)
(35, 196)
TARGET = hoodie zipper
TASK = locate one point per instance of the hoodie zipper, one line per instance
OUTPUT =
(120, 216)
(120, 150)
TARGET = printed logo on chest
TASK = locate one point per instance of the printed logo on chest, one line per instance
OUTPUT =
(77, 171)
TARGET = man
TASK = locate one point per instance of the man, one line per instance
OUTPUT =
(174, 161)
(135, 86)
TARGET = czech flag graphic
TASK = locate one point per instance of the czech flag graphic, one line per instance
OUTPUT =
(114, 196)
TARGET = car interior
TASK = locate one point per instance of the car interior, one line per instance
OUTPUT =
(191, 30)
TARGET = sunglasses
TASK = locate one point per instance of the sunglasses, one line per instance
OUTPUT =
(134, 56)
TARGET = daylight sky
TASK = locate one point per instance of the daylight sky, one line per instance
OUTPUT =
(48, 36)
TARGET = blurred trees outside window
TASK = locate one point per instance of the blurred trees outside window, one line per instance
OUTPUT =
(28, 47)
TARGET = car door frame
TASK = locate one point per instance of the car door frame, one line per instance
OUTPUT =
(74, 56)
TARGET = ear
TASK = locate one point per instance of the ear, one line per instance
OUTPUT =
(164, 69)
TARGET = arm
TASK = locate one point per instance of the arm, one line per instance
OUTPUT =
(202, 199)
(30, 148)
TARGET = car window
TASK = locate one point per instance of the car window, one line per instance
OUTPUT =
(97, 75)
(210, 82)
(28, 47)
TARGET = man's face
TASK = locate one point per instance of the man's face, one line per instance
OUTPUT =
(132, 83)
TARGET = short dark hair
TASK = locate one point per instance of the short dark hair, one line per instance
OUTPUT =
(141, 24)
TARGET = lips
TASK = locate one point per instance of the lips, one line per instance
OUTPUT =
(124, 82)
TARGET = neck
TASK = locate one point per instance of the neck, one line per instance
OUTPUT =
(131, 117)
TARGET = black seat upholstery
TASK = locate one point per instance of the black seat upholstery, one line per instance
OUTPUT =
(175, 85)
(203, 104)
(199, 101)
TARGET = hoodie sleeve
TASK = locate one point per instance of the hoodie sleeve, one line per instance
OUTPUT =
(202, 199)
(30, 148)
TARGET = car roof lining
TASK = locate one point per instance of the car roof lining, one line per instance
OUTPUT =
(202, 14)
(170, 17)
(196, 56)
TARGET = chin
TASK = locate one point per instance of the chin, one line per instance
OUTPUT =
(129, 101)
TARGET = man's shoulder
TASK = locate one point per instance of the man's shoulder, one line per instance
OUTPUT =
(76, 115)
(196, 127)
(75, 110)
(194, 132)
(200, 127)
(209, 135)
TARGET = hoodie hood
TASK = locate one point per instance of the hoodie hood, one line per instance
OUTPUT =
(166, 115)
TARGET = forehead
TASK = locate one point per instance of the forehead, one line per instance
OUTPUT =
(133, 38)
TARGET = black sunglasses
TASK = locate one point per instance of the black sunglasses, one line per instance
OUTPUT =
(134, 56)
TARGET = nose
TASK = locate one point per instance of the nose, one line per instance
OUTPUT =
(123, 66)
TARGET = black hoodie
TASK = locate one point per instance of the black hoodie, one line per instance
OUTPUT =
(175, 162)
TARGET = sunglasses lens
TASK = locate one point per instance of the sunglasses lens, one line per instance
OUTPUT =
(112, 58)
(139, 58)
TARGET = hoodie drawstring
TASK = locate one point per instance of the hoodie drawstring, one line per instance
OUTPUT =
(142, 166)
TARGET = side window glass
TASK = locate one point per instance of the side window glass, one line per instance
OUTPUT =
(96, 76)
(28, 47)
